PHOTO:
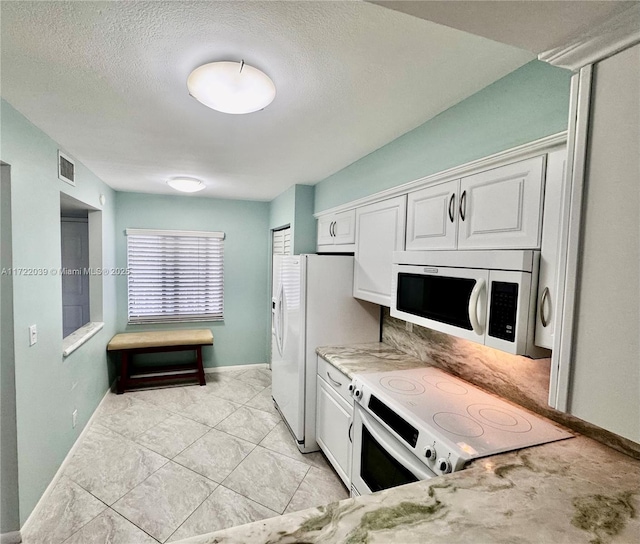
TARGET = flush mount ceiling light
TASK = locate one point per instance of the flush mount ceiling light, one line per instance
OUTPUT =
(231, 87)
(186, 185)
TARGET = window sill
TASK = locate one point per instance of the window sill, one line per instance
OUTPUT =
(79, 337)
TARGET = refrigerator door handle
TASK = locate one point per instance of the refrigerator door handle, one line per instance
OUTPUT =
(277, 313)
(283, 314)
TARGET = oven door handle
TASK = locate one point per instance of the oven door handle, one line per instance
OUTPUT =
(411, 462)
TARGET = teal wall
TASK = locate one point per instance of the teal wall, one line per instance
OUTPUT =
(528, 104)
(242, 337)
(294, 207)
(304, 234)
(282, 209)
(43, 378)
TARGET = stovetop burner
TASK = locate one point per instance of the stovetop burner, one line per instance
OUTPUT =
(458, 424)
(499, 418)
(402, 386)
(445, 385)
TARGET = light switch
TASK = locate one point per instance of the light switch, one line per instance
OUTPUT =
(33, 335)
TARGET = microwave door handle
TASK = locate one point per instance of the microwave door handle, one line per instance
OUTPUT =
(474, 299)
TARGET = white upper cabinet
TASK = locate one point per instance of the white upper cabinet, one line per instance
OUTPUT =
(547, 303)
(495, 209)
(500, 208)
(337, 229)
(380, 230)
(432, 217)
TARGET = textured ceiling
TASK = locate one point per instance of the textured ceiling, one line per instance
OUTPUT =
(108, 82)
(534, 25)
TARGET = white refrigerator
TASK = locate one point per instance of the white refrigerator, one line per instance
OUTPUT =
(312, 306)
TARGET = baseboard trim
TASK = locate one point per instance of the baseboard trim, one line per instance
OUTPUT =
(13, 537)
(64, 464)
(213, 369)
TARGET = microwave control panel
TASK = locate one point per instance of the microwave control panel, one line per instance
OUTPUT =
(503, 310)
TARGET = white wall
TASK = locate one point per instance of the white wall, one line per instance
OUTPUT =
(606, 367)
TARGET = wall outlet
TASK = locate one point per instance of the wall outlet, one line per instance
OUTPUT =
(408, 326)
(74, 418)
(33, 334)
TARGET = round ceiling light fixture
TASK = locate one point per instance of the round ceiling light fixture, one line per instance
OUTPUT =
(186, 185)
(231, 87)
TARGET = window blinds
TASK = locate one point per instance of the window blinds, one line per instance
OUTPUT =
(175, 276)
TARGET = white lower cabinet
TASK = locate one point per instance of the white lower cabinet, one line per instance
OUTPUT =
(334, 416)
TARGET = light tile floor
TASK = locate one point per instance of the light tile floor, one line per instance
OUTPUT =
(161, 465)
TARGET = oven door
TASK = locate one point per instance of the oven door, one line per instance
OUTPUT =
(379, 459)
(449, 300)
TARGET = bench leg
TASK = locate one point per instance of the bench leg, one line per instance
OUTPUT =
(124, 372)
(200, 367)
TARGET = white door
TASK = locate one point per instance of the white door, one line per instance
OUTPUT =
(432, 217)
(380, 230)
(75, 280)
(287, 362)
(501, 208)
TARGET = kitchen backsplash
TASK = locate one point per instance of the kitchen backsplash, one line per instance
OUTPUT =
(518, 379)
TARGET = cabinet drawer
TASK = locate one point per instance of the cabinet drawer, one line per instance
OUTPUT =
(334, 377)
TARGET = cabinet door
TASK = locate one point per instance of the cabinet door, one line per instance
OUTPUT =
(325, 230)
(550, 247)
(344, 228)
(501, 208)
(432, 217)
(380, 230)
(333, 421)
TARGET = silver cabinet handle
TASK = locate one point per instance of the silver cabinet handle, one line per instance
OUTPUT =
(334, 382)
(463, 205)
(331, 227)
(543, 298)
(452, 201)
(350, 428)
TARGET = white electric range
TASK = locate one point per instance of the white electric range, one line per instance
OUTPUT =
(411, 425)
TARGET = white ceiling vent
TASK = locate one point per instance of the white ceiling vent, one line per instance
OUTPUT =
(66, 168)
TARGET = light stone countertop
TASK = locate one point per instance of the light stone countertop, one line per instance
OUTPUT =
(370, 357)
(574, 490)
(571, 491)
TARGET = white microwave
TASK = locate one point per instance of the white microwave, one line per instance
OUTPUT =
(484, 296)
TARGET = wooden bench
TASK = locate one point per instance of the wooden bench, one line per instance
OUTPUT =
(130, 344)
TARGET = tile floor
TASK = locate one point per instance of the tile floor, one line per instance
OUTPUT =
(165, 464)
